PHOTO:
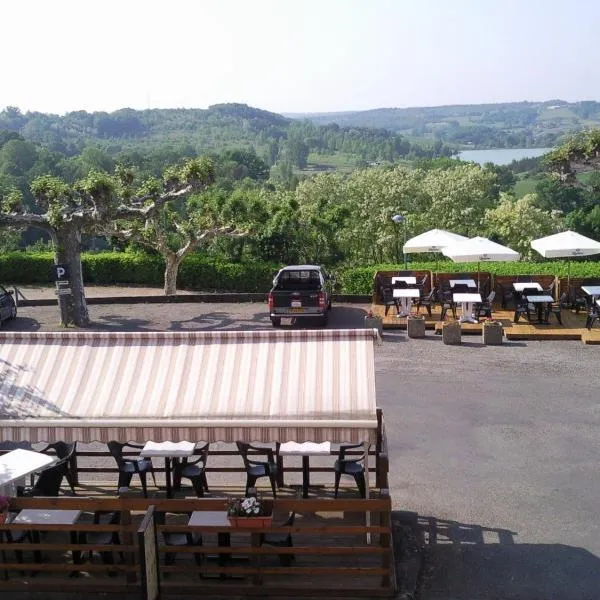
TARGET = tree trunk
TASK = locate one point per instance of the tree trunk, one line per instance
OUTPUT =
(73, 306)
(172, 262)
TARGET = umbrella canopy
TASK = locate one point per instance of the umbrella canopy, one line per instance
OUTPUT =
(479, 249)
(432, 241)
(565, 245)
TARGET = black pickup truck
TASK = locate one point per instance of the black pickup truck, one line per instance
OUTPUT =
(300, 292)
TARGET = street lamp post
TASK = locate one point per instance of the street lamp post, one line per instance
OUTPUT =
(400, 219)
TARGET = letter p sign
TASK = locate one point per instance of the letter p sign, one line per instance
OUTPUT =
(60, 272)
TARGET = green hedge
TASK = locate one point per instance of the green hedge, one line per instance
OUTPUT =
(201, 274)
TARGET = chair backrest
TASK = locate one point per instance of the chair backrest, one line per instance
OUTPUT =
(460, 288)
(116, 450)
(424, 280)
(387, 294)
(63, 450)
(243, 450)
(400, 284)
(563, 299)
(491, 296)
(49, 481)
(202, 452)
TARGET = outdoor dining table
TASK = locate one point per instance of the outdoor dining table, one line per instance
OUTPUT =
(406, 295)
(591, 290)
(220, 521)
(305, 450)
(519, 286)
(467, 300)
(468, 282)
(540, 300)
(408, 279)
(17, 464)
(42, 516)
(168, 451)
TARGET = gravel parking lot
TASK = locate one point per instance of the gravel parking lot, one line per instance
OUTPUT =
(502, 442)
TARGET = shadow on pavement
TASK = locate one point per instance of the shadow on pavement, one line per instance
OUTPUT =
(470, 562)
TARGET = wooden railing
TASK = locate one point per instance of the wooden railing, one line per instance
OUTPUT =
(340, 548)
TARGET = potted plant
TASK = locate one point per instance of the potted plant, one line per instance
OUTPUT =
(492, 332)
(248, 512)
(373, 321)
(4, 506)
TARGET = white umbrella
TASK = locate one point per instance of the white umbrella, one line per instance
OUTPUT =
(566, 245)
(432, 241)
(479, 249)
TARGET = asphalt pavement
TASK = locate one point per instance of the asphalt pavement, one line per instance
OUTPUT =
(496, 448)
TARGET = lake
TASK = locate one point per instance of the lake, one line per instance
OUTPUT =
(501, 156)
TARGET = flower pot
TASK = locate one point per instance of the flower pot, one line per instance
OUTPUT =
(492, 333)
(451, 333)
(251, 522)
(374, 323)
(415, 325)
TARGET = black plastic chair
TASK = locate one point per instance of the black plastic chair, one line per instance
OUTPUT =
(103, 538)
(556, 307)
(281, 540)
(387, 297)
(447, 303)
(128, 467)
(353, 466)
(485, 308)
(592, 315)
(521, 306)
(426, 301)
(195, 471)
(48, 482)
(256, 469)
(64, 452)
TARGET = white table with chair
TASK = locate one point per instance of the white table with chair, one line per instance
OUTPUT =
(17, 464)
(169, 451)
(467, 301)
(406, 296)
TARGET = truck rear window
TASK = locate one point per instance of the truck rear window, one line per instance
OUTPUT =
(298, 280)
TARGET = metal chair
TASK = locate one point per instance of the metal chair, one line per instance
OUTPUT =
(195, 471)
(354, 467)
(447, 303)
(256, 469)
(556, 307)
(281, 540)
(64, 452)
(426, 301)
(128, 467)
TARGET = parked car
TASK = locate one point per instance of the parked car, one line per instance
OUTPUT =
(8, 308)
(300, 292)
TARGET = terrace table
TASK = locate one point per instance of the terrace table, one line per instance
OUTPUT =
(305, 450)
(216, 519)
(168, 451)
(539, 301)
(467, 300)
(408, 279)
(591, 290)
(468, 282)
(17, 464)
(519, 286)
(406, 294)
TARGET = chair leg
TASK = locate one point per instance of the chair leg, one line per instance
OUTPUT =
(361, 483)
(205, 482)
(124, 480)
(273, 485)
(428, 307)
(198, 486)
(250, 483)
(142, 475)
(338, 476)
(70, 481)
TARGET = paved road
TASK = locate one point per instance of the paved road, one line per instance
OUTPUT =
(499, 446)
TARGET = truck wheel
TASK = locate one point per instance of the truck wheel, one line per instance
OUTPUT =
(276, 321)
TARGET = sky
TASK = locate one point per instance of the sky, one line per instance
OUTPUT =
(295, 56)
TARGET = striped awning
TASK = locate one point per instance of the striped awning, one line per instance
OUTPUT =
(259, 386)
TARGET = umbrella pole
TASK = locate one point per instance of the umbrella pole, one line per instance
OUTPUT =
(478, 276)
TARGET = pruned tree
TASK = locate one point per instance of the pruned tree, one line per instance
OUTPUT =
(66, 212)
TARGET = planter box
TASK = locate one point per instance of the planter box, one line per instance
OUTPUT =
(492, 334)
(451, 333)
(374, 323)
(415, 327)
(251, 522)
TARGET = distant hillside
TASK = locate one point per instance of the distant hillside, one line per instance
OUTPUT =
(509, 125)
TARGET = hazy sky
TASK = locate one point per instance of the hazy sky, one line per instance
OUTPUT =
(295, 56)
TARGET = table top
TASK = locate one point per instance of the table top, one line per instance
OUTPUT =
(168, 449)
(406, 278)
(38, 516)
(534, 299)
(466, 297)
(406, 293)
(305, 449)
(18, 463)
(521, 285)
(468, 282)
(209, 518)
(591, 290)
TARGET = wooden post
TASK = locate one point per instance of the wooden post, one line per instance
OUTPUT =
(385, 541)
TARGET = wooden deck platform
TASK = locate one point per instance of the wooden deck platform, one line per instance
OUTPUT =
(573, 327)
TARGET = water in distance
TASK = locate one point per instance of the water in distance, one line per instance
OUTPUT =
(501, 156)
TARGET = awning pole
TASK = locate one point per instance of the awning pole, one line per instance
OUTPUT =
(368, 512)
